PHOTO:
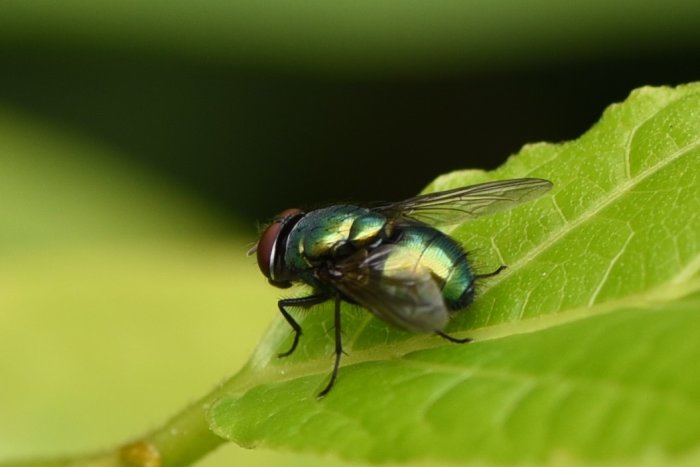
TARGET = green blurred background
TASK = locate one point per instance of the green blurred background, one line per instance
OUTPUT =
(142, 141)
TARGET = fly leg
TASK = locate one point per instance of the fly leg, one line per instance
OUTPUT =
(491, 274)
(453, 339)
(338, 349)
(468, 339)
(304, 302)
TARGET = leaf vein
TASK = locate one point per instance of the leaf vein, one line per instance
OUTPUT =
(557, 379)
(595, 208)
(610, 267)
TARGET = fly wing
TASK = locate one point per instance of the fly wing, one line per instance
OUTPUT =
(391, 283)
(455, 206)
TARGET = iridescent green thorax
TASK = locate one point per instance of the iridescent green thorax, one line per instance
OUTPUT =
(331, 232)
(336, 231)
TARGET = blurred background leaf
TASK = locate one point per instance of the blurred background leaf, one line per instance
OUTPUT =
(288, 92)
(114, 292)
(141, 141)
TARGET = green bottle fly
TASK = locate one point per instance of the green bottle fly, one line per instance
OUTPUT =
(390, 258)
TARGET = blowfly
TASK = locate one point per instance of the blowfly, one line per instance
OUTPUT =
(388, 258)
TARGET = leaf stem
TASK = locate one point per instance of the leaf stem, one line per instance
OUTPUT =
(184, 438)
(180, 441)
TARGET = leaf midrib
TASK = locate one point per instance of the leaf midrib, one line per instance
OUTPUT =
(248, 378)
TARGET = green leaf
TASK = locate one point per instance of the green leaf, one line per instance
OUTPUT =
(585, 346)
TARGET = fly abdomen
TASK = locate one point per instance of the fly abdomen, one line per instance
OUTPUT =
(445, 258)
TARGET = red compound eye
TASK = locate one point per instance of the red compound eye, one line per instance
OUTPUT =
(268, 249)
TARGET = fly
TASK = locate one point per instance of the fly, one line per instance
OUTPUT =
(389, 258)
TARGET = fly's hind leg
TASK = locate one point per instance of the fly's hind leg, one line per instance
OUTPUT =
(456, 340)
(467, 339)
(491, 274)
(303, 302)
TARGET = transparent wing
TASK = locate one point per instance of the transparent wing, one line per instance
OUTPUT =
(391, 283)
(455, 206)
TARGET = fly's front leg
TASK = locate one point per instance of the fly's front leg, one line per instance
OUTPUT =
(338, 349)
(303, 302)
